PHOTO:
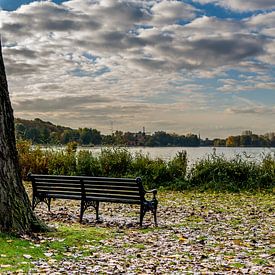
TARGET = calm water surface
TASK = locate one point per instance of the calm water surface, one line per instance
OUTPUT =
(195, 153)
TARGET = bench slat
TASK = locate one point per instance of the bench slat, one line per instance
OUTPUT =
(115, 196)
(87, 183)
(56, 181)
(111, 183)
(111, 191)
(44, 185)
(76, 185)
(99, 179)
(60, 195)
(112, 199)
(111, 187)
(59, 188)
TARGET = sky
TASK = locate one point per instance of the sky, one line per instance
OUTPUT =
(192, 66)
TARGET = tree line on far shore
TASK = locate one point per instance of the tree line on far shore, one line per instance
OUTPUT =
(46, 133)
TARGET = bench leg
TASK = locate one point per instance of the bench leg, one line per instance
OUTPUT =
(97, 210)
(85, 205)
(155, 216)
(49, 204)
(142, 214)
(37, 200)
(81, 211)
(149, 207)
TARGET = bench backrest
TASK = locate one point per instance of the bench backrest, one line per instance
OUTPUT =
(113, 189)
(124, 190)
(56, 186)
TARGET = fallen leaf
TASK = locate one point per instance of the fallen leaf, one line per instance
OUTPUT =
(183, 239)
(48, 254)
(237, 242)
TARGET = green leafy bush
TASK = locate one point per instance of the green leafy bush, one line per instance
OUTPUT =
(218, 173)
(62, 163)
(215, 172)
(115, 162)
(87, 164)
(178, 165)
(32, 159)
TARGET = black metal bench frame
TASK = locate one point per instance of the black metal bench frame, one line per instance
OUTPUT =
(91, 191)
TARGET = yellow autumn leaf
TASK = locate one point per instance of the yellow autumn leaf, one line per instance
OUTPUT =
(182, 239)
(237, 242)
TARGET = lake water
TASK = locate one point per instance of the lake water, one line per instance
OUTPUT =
(195, 153)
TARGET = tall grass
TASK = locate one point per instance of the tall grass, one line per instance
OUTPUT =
(219, 173)
(215, 172)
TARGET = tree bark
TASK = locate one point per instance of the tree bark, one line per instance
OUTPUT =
(16, 215)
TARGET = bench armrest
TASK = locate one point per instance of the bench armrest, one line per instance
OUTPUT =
(154, 191)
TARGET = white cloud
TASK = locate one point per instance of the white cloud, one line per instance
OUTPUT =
(130, 60)
(241, 5)
(168, 12)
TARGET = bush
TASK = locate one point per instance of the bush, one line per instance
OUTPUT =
(157, 172)
(87, 164)
(178, 165)
(215, 172)
(237, 174)
(32, 159)
(62, 163)
(115, 162)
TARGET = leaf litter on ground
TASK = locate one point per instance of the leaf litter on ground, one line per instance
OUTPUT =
(197, 233)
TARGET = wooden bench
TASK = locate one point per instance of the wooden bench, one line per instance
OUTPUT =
(91, 191)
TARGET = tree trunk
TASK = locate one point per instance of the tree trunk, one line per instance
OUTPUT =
(16, 215)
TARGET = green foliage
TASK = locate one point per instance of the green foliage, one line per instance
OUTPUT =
(71, 147)
(32, 159)
(17, 254)
(115, 162)
(237, 174)
(215, 172)
(87, 164)
(44, 132)
(178, 165)
(64, 162)
(157, 172)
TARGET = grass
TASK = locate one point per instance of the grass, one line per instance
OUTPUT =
(17, 254)
(198, 226)
(13, 251)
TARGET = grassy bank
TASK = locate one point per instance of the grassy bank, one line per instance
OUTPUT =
(213, 173)
(198, 232)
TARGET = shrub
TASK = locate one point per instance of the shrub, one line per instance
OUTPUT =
(62, 163)
(178, 165)
(32, 159)
(267, 172)
(115, 162)
(87, 164)
(215, 172)
(236, 174)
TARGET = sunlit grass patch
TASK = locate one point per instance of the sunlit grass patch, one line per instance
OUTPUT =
(67, 242)
(17, 254)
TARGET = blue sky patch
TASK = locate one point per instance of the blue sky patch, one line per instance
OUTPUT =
(82, 73)
(11, 5)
